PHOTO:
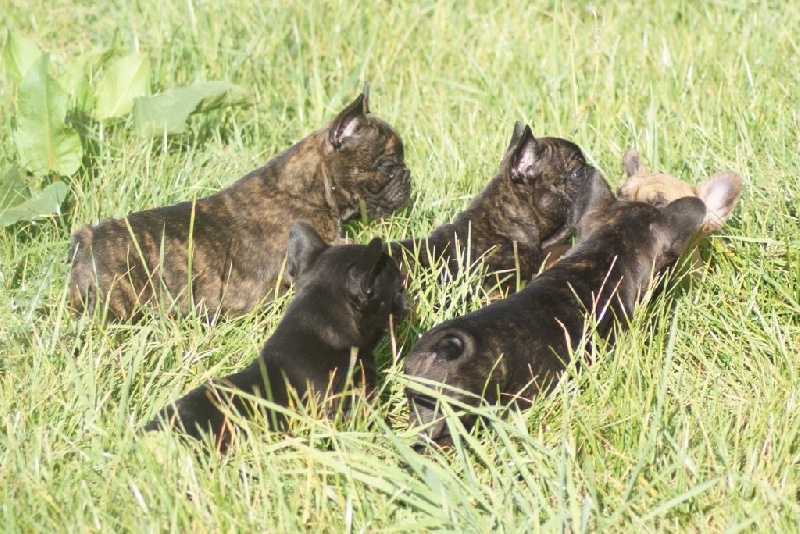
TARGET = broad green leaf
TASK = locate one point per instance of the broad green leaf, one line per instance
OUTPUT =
(43, 141)
(168, 111)
(127, 77)
(41, 204)
(13, 189)
(78, 74)
(19, 54)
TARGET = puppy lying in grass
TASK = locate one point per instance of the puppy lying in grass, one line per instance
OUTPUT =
(516, 348)
(224, 253)
(321, 349)
(524, 208)
(720, 193)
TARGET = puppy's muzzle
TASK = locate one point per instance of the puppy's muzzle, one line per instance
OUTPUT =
(427, 415)
(391, 196)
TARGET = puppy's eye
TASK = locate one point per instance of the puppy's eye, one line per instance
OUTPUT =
(576, 173)
(388, 167)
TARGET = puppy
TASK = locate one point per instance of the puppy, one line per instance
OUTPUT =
(516, 348)
(224, 253)
(524, 208)
(344, 297)
(720, 193)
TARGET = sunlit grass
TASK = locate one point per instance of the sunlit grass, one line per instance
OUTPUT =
(689, 423)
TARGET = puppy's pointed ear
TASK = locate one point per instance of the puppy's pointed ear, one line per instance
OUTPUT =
(521, 157)
(304, 246)
(449, 348)
(349, 119)
(365, 94)
(720, 193)
(683, 218)
(362, 274)
(515, 135)
(593, 197)
(632, 162)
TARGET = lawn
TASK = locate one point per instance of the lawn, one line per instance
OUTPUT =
(691, 422)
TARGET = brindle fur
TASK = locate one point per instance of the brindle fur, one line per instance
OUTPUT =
(344, 296)
(224, 253)
(516, 348)
(523, 208)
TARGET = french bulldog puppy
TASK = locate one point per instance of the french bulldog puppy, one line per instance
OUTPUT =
(524, 208)
(514, 349)
(720, 193)
(344, 297)
(224, 253)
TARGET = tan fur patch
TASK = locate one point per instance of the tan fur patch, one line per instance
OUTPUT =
(720, 192)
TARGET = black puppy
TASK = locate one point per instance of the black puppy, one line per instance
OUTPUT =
(344, 296)
(513, 349)
(524, 208)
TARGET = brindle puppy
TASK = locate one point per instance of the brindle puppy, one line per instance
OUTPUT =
(344, 296)
(516, 348)
(225, 253)
(524, 208)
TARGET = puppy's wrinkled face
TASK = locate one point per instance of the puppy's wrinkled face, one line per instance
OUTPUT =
(366, 162)
(359, 285)
(720, 192)
(547, 174)
(655, 189)
(371, 285)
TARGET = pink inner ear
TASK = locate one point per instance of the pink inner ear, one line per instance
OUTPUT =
(720, 193)
(348, 127)
(525, 158)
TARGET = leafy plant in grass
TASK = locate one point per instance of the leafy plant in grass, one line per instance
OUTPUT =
(48, 145)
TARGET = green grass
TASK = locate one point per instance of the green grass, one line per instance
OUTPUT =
(691, 422)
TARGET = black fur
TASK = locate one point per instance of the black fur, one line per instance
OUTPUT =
(344, 296)
(516, 348)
